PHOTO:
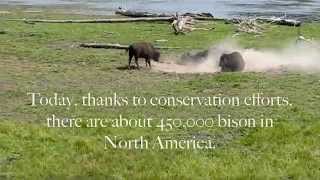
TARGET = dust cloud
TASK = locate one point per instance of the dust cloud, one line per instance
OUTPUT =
(297, 56)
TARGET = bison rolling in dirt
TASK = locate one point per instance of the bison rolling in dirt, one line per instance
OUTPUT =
(231, 62)
(143, 50)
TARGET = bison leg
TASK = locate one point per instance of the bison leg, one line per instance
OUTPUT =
(130, 58)
(136, 61)
(148, 63)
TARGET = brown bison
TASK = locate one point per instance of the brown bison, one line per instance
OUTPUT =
(231, 62)
(143, 50)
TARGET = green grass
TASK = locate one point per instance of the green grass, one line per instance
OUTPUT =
(45, 58)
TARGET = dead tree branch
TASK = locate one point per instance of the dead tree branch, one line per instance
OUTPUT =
(115, 46)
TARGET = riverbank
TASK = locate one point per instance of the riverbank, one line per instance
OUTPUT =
(299, 10)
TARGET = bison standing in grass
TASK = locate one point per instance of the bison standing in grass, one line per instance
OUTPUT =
(143, 50)
(231, 62)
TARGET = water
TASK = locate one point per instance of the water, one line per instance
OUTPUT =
(220, 8)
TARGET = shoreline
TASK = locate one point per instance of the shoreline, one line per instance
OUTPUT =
(80, 10)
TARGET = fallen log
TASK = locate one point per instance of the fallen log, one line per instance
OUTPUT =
(115, 20)
(130, 13)
(135, 14)
(116, 46)
(272, 20)
(250, 26)
(104, 46)
(281, 21)
(182, 24)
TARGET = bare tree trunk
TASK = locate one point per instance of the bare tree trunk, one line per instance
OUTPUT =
(104, 46)
(115, 46)
(182, 24)
(131, 13)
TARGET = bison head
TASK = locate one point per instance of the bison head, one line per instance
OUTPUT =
(222, 60)
(156, 55)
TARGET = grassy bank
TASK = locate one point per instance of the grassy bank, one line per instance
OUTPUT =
(45, 58)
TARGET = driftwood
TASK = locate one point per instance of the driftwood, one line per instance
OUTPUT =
(282, 21)
(135, 17)
(104, 46)
(130, 13)
(115, 46)
(250, 26)
(273, 20)
(135, 14)
(114, 20)
(206, 16)
(183, 24)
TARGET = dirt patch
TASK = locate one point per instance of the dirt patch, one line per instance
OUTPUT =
(174, 67)
(304, 57)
